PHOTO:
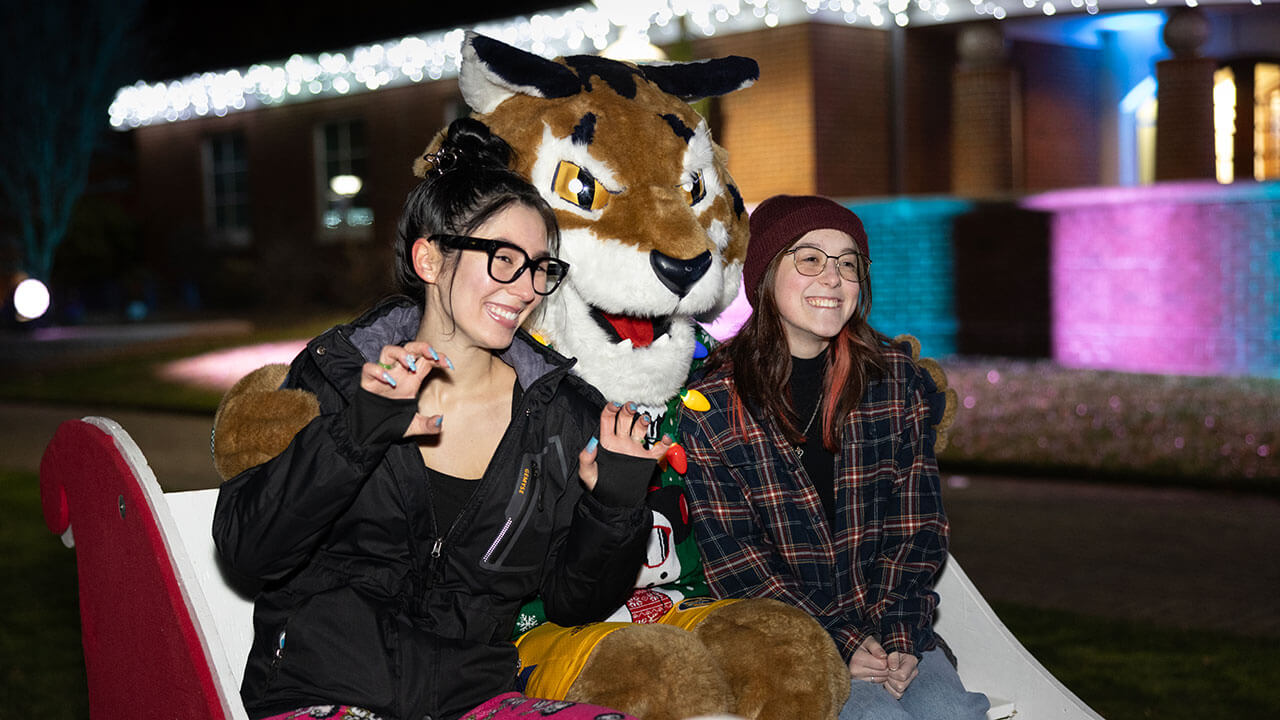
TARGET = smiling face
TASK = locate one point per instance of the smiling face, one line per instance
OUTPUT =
(813, 309)
(650, 222)
(483, 311)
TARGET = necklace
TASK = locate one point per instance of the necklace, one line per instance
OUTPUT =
(805, 432)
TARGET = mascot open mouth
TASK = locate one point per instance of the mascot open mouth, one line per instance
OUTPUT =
(641, 331)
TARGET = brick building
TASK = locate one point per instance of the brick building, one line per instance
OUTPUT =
(246, 203)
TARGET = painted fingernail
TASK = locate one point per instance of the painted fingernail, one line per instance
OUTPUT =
(592, 443)
(440, 421)
(616, 404)
(631, 406)
(413, 362)
(449, 362)
(666, 438)
(646, 418)
(434, 355)
(390, 380)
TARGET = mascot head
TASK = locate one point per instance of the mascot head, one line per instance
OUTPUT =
(651, 222)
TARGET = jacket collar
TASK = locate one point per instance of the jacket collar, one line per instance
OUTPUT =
(395, 321)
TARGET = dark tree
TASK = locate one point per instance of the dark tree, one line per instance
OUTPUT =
(63, 63)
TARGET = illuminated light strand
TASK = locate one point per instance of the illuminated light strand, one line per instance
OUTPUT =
(587, 28)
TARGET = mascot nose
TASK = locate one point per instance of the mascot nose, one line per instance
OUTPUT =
(679, 275)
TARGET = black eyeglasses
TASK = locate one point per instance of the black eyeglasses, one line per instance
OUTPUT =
(507, 261)
(811, 261)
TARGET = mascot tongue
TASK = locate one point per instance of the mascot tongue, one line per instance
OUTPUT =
(638, 330)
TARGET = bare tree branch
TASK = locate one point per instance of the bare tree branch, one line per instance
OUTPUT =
(63, 63)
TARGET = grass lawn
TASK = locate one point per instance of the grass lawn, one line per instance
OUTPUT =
(1122, 669)
(128, 377)
(1134, 670)
(41, 665)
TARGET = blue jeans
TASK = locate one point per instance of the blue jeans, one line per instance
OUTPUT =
(935, 694)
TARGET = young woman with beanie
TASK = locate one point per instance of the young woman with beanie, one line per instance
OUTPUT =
(812, 475)
(457, 468)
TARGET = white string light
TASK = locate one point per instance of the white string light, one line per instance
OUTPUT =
(587, 28)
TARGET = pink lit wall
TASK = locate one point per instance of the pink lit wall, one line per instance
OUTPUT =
(1175, 278)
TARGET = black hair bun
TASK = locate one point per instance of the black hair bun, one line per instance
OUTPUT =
(469, 142)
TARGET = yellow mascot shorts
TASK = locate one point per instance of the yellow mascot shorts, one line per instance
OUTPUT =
(552, 657)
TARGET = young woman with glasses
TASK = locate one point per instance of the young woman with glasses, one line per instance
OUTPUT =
(457, 469)
(812, 475)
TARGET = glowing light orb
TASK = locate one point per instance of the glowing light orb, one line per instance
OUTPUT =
(346, 185)
(31, 299)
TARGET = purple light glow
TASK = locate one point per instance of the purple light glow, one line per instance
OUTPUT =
(221, 369)
(1169, 279)
(733, 317)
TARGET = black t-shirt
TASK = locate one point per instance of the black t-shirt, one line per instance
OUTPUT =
(806, 394)
(449, 493)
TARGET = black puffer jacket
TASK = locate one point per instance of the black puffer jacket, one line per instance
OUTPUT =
(366, 600)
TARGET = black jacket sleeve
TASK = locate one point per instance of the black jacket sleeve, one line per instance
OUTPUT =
(594, 569)
(594, 560)
(270, 518)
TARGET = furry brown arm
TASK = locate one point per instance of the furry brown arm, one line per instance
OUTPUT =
(256, 420)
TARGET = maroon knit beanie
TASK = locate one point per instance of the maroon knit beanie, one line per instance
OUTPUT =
(781, 220)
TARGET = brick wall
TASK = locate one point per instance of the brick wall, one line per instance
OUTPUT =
(768, 128)
(1174, 278)
(1060, 111)
(852, 144)
(912, 278)
(929, 56)
(287, 262)
(777, 140)
(985, 134)
(1184, 131)
(1002, 281)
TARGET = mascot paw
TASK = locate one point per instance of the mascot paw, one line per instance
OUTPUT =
(950, 399)
(256, 420)
(655, 672)
(779, 662)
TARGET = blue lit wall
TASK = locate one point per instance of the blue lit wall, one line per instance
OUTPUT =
(912, 278)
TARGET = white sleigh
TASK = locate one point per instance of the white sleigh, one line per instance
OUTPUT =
(166, 632)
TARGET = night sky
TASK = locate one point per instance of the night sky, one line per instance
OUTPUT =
(177, 39)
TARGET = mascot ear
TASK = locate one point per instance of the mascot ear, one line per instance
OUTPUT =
(493, 71)
(692, 81)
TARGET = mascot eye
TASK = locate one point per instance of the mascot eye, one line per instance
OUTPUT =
(694, 189)
(576, 185)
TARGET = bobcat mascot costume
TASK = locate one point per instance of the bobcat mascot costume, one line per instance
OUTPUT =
(656, 233)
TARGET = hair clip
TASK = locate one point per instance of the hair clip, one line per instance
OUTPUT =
(441, 161)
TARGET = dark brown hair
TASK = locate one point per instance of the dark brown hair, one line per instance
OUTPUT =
(759, 360)
(457, 197)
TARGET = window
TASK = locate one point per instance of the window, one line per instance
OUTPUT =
(1264, 161)
(1224, 123)
(226, 189)
(343, 196)
(1266, 124)
(1138, 134)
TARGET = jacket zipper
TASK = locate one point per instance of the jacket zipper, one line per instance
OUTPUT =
(516, 506)
(277, 656)
(513, 430)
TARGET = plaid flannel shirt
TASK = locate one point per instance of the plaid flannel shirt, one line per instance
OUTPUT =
(762, 531)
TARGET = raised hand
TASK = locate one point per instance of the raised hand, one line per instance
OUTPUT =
(622, 431)
(399, 374)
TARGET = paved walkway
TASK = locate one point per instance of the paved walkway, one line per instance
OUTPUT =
(175, 445)
(1186, 558)
(1181, 558)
